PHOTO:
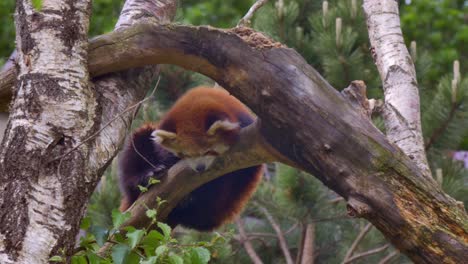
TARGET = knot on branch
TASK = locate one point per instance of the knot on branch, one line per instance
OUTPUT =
(356, 208)
(355, 93)
(256, 40)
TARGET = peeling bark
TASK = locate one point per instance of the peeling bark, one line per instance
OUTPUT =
(401, 111)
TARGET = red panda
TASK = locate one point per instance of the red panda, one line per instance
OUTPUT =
(204, 123)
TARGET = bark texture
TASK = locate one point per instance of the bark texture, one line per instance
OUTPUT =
(54, 109)
(401, 109)
(312, 125)
(51, 158)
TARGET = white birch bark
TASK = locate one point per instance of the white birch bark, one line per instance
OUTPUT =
(53, 108)
(401, 110)
(53, 152)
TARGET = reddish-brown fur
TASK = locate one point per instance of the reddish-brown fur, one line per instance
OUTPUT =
(214, 203)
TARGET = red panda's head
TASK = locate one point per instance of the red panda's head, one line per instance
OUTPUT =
(201, 125)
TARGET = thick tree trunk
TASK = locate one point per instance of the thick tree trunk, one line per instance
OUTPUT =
(310, 123)
(51, 157)
(54, 109)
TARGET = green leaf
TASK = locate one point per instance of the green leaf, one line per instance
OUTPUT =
(150, 260)
(132, 258)
(200, 255)
(100, 234)
(174, 259)
(79, 260)
(134, 237)
(153, 181)
(93, 258)
(119, 218)
(151, 213)
(161, 250)
(151, 241)
(142, 188)
(37, 4)
(87, 241)
(119, 252)
(153, 237)
(166, 230)
(56, 259)
(85, 223)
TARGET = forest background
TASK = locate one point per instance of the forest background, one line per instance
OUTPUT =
(436, 33)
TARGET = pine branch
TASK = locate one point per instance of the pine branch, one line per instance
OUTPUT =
(438, 132)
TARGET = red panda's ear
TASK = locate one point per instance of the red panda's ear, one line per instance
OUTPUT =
(222, 125)
(160, 136)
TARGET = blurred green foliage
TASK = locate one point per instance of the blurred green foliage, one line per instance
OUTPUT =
(104, 16)
(7, 30)
(441, 28)
(217, 13)
(150, 245)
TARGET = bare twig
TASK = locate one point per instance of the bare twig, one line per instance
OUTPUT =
(307, 252)
(356, 242)
(368, 253)
(246, 243)
(279, 234)
(336, 200)
(245, 21)
(257, 234)
(291, 228)
(332, 218)
(389, 257)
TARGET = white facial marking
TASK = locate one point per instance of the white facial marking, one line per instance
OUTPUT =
(200, 163)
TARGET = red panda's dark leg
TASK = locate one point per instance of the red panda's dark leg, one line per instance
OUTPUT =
(218, 201)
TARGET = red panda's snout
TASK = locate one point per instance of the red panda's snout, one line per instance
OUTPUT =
(200, 164)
